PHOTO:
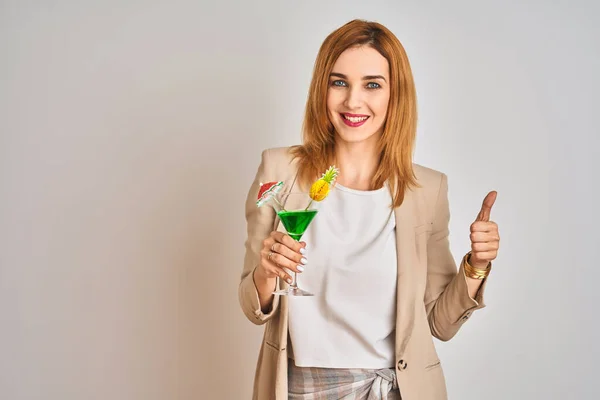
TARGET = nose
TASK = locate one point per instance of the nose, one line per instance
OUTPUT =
(353, 98)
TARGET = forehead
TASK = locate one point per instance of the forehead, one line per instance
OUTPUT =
(361, 61)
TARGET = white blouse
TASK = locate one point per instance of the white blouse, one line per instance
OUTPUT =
(352, 268)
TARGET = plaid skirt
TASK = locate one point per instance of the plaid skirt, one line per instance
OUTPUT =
(337, 384)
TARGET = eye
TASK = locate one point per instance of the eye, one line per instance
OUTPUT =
(373, 85)
(338, 83)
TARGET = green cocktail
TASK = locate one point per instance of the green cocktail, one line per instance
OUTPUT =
(296, 222)
(296, 211)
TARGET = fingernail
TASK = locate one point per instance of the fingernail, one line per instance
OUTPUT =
(304, 261)
(300, 268)
(289, 280)
(302, 250)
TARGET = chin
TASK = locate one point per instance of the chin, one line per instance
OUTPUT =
(355, 137)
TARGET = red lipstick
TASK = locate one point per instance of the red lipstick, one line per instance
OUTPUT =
(354, 120)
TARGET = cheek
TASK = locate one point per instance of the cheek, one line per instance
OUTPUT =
(333, 101)
(380, 106)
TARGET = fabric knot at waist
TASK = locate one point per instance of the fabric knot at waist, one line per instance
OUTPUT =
(385, 378)
(310, 383)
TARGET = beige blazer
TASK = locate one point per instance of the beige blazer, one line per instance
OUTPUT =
(432, 299)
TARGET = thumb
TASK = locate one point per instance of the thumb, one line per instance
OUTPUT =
(486, 207)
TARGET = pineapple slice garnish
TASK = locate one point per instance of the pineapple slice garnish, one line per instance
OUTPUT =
(320, 189)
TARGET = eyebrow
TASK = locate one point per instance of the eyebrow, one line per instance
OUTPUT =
(365, 78)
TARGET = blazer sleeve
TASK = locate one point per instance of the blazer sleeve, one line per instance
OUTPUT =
(447, 299)
(260, 222)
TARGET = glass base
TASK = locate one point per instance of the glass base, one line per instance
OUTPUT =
(292, 291)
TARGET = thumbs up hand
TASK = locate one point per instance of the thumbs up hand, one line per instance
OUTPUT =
(485, 239)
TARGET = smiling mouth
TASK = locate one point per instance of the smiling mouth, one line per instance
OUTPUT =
(354, 120)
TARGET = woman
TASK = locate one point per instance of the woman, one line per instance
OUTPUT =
(381, 266)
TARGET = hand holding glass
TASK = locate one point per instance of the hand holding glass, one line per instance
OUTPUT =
(295, 223)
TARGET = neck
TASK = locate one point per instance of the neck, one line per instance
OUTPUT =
(357, 163)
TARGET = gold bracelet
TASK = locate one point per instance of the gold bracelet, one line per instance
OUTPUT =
(475, 273)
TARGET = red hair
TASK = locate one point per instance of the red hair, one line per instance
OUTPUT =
(396, 146)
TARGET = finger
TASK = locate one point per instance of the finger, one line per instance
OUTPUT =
(284, 262)
(272, 270)
(289, 253)
(484, 226)
(477, 237)
(288, 241)
(486, 206)
(284, 275)
(268, 243)
(303, 247)
(484, 247)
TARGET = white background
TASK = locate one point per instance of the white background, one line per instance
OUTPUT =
(130, 132)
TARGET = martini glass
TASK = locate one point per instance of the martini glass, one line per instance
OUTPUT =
(295, 221)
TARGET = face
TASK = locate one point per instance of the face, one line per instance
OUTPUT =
(358, 94)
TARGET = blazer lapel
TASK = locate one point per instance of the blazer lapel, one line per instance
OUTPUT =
(407, 262)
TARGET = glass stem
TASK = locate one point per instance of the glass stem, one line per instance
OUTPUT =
(294, 285)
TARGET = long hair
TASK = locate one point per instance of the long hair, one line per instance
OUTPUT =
(396, 145)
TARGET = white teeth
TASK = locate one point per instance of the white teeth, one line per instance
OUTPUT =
(355, 119)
